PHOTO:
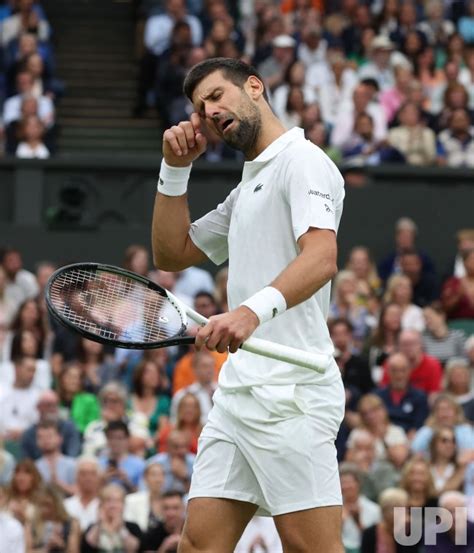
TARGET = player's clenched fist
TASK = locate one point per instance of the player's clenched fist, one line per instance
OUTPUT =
(183, 143)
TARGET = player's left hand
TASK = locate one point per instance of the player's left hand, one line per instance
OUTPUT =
(227, 331)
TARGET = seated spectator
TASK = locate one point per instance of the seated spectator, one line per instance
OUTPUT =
(184, 375)
(21, 284)
(438, 339)
(375, 475)
(425, 289)
(318, 134)
(18, 404)
(147, 395)
(112, 532)
(167, 533)
(12, 533)
(358, 512)
(465, 243)
(54, 529)
(354, 368)
(193, 280)
(113, 399)
(363, 267)
(188, 421)
(380, 67)
(84, 504)
(98, 369)
(400, 291)
(458, 385)
(456, 295)
(25, 20)
(7, 464)
(177, 462)
(203, 388)
(54, 467)
(391, 442)
(77, 405)
(407, 407)
(8, 305)
(426, 371)
(448, 470)
(466, 23)
(47, 409)
(23, 491)
(445, 413)
(205, 304)
(455, 97)
(412, 138)
(384, 341)
(380, 537)
(345, 305)
(418, 483)
(118, 465)
(293, 111)
(260, 531)
(436, 28)
(273, 69)
(455, 147)
(447, 541)
(28, 318)
(391, 99)
(145, 508)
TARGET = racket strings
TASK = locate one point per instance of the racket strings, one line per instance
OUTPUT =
(114, 306)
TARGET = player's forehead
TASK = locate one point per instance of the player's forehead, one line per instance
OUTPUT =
(209, 84)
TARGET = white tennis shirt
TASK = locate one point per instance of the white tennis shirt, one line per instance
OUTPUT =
(290, 187)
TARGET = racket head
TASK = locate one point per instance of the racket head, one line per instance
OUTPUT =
(111, 305)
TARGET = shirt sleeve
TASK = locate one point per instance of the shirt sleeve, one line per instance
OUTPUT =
(209, 233)
(315, 192)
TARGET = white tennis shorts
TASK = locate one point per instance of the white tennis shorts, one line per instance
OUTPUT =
(272, 446)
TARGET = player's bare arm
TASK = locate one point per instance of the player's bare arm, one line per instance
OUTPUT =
(173, 250)
(311, 270)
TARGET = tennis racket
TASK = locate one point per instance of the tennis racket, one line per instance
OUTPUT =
(113, 306)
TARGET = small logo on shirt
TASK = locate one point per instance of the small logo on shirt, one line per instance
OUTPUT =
(328, 209)
(160, 181)
(274, 312)
(320, 194)
(258, 187)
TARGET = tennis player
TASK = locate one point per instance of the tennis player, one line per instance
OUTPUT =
(268, 447)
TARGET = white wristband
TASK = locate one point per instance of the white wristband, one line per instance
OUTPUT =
(173, 181)
(266, 304)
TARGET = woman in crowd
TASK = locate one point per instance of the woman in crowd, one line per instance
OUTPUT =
(23, 491)
(28, 318)
(7, 304)
(447, 469)
(438, 339)
(7, 465)
(458, 293)
(365, 271)
(458, 385)
(295, 77)
(97, 370)
(147, 395)
(400, 291)
(54, 530)
(445, 413)
(137, 259)
(188, 420)
(418, 483)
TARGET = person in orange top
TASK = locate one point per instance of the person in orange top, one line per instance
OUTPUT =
(184, 373)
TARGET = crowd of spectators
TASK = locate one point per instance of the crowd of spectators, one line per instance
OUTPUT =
(98, 445)
(370, 82)
(28, 87)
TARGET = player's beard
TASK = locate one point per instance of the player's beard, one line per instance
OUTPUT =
(247, 129)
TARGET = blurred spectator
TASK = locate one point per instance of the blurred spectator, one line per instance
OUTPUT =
(147, 395)
(23, 491)
(47, 409)
(400, 291)
(445, 413)
(433, 79)
(466, 23)
(455, 97)
(54, 530)
(438, 339)
(457, 293)
(28, 319)
(465, 242)
(407, 23)
(358, 512)
(260, 532)
(12, 534)
(184, 375)
(167, 533)
(455, 147)
(457, 384)
(412, 138)
(21, 284)
(192, 280)
(368, 281)
(274, 68)
(188, 421)
(145, 508)
(407, 407)
(177, 462)
(313, 46)
(354, 368)
(112, 532)
(205, 304)
(203, 388)
(425, 289)
(8, 305)
(352, 35)
(25, 20)
(137, 259)
(54, 467)
(436, 28)
(97, 368)
(387, 20)
(84, 505)
(418, 483)
(405, 239)
(447, 468)
(7, 464)
(426, 371)
(118, 465)
(379, 68)
(391, 99)
(318, 134)
(295, 77)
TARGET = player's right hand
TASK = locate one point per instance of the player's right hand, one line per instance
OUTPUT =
(183, 143)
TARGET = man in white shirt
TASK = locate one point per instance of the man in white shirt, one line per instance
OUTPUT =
(268, 446)
(21, 284)
(84, 504)
(12, 533)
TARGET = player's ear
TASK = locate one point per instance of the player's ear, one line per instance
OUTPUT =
(254, 87)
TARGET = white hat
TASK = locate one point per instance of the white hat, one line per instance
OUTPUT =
(284, 41)
(381, 42)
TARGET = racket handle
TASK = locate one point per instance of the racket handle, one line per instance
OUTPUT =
(316, 361)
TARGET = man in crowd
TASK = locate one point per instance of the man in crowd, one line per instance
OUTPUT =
(21, 284)
(164, 538)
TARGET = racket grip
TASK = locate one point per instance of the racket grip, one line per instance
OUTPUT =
(316, 361)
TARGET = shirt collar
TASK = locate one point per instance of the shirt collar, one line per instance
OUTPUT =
(277, 146)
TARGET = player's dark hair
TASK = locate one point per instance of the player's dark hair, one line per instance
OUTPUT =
(235, 71)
